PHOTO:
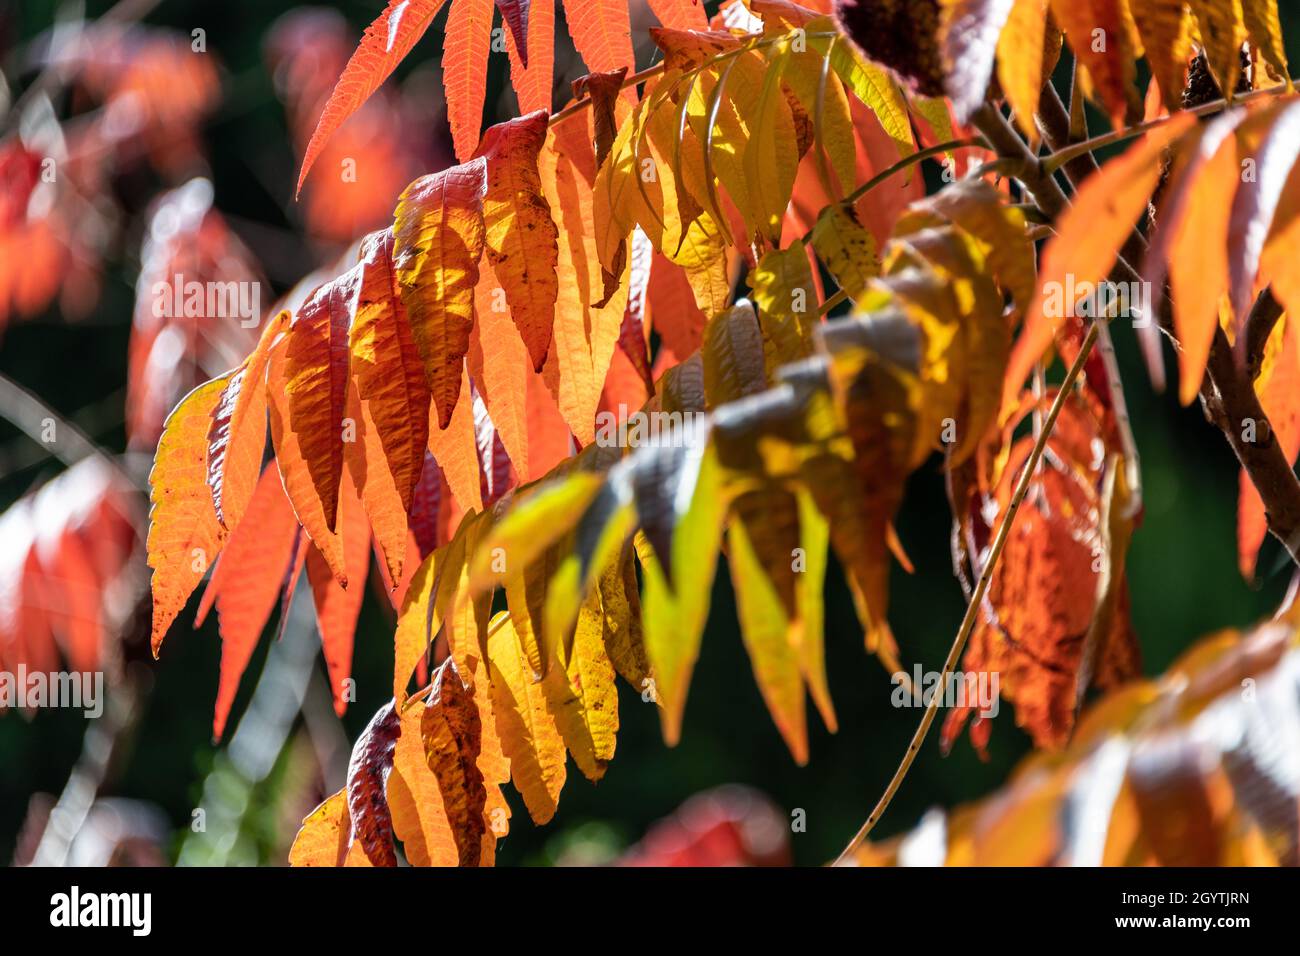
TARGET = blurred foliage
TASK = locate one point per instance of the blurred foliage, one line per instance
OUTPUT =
(1182, 567)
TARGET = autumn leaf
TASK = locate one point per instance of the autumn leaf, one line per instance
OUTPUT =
(246, 582)
(585, 336)
(237, 436)
(292, 464)
(1198, 270)
(1099, 36)
(1256, 203)
(532, 69)
(760, 553)
(970, 32)
(385, 44)
(521, 238)
(464, 70)
(1165, 27)
(680, 14)
(846, 249)
(184, 534)
(1223, 31)
(601, 32)
(325, 838)
(337, 608)
(452, 732)
(770, 158)
(580, 691)
(1087, 243)
(527, 730)
(455, 449)
(438, 240)
(316, 381)
(368, 771)
(387, 368)
(515, 14)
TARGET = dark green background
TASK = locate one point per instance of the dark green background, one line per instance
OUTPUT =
(1182, 568)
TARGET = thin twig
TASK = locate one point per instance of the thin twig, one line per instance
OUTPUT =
(1062, 156)
(977, 598)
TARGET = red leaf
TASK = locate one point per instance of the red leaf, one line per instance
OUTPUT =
(368, 770)
(515, 15)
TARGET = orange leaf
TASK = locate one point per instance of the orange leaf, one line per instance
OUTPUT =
(184, 534)
(1257, 201)
(385, 43)
(237, 435)
(316, 380)
(1190, 245)
(1087, 243)
(533, 81)
(336, 608)
(455, 449)
(680, 14)
(1100, 39)
(1278, 386)
(464, 70)
(387, 367)
(294, 475)
(452, 731)
(521, 238)
(601, 32)
(439, 237)
(673, 313)
(499, 365)
(585, 336)
(246, 583)
(369, 470)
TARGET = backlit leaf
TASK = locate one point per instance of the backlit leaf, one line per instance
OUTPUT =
(438, 241)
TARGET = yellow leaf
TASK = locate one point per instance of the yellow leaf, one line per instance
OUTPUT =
(581, 694)
(787, 304)
(1165, 27)
(529, 738)
(764, 612)
(846, 248)
(770, 157)
(869, 83)
(325, 838)
(184, 534)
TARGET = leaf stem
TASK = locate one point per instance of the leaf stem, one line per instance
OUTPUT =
(977, 597)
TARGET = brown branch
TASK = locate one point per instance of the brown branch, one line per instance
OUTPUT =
(1227, 391)
(1228, 394)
